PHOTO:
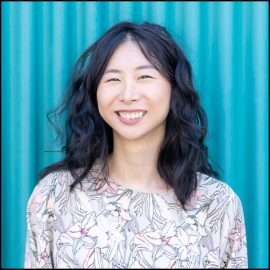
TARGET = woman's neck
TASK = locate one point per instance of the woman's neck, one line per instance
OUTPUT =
(134, 165)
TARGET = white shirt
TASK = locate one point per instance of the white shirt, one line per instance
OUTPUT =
(106, 225)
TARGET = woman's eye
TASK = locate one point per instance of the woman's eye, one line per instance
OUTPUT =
(144, 77)
(113, 80)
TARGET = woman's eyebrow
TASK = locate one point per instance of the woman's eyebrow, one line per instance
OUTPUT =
(137, 68)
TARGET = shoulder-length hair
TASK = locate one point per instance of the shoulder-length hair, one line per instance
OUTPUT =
(87, 136)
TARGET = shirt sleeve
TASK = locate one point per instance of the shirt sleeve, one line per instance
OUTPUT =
(235, 255)
(40, 212)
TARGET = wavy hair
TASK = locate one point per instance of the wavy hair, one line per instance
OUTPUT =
(87, 137)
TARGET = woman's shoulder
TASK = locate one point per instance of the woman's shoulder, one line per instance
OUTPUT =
(55, 180)
(216, 192)
(58, 177)
(214, 186)
(47, 187)
(59, 181)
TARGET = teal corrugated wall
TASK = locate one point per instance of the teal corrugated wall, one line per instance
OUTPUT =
(227, 44)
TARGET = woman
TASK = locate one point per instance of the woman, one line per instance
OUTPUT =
(135, 188)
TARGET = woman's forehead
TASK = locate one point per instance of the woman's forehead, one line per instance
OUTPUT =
(129, 52)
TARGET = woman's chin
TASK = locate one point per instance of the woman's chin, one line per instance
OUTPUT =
(133, 135)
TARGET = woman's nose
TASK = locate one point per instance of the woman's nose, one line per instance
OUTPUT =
(129, 93)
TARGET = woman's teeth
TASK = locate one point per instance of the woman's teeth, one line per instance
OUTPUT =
(129, 116)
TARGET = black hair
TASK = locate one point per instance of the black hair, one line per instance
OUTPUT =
(88, 137)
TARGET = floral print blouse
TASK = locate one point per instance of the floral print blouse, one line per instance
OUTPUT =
(103, 224)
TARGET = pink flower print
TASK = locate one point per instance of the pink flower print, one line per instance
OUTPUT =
(169, 240)
(147, 240)
(90, 258)
(185, 243)
(155, 238)
(63, 241)
(136, 264)
(43, 251)
(120, 208)
(212, 260)
(46, 213)
(237, 235)
(81, 229)
(140, 243)
(36, 201)
(241, 227)
(97, 174)
(107, 233)
(194, 196)
(118, 211)
(197, 222)
(106, 186)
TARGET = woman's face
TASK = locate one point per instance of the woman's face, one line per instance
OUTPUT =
(133, 97)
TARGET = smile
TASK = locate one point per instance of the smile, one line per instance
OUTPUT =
(130, 117)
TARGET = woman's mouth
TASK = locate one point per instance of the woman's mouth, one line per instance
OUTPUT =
(130, 117)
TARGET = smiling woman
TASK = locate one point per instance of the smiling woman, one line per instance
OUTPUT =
(135, 188)
(138, 94)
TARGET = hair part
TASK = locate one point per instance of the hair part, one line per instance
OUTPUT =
(87, 137)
